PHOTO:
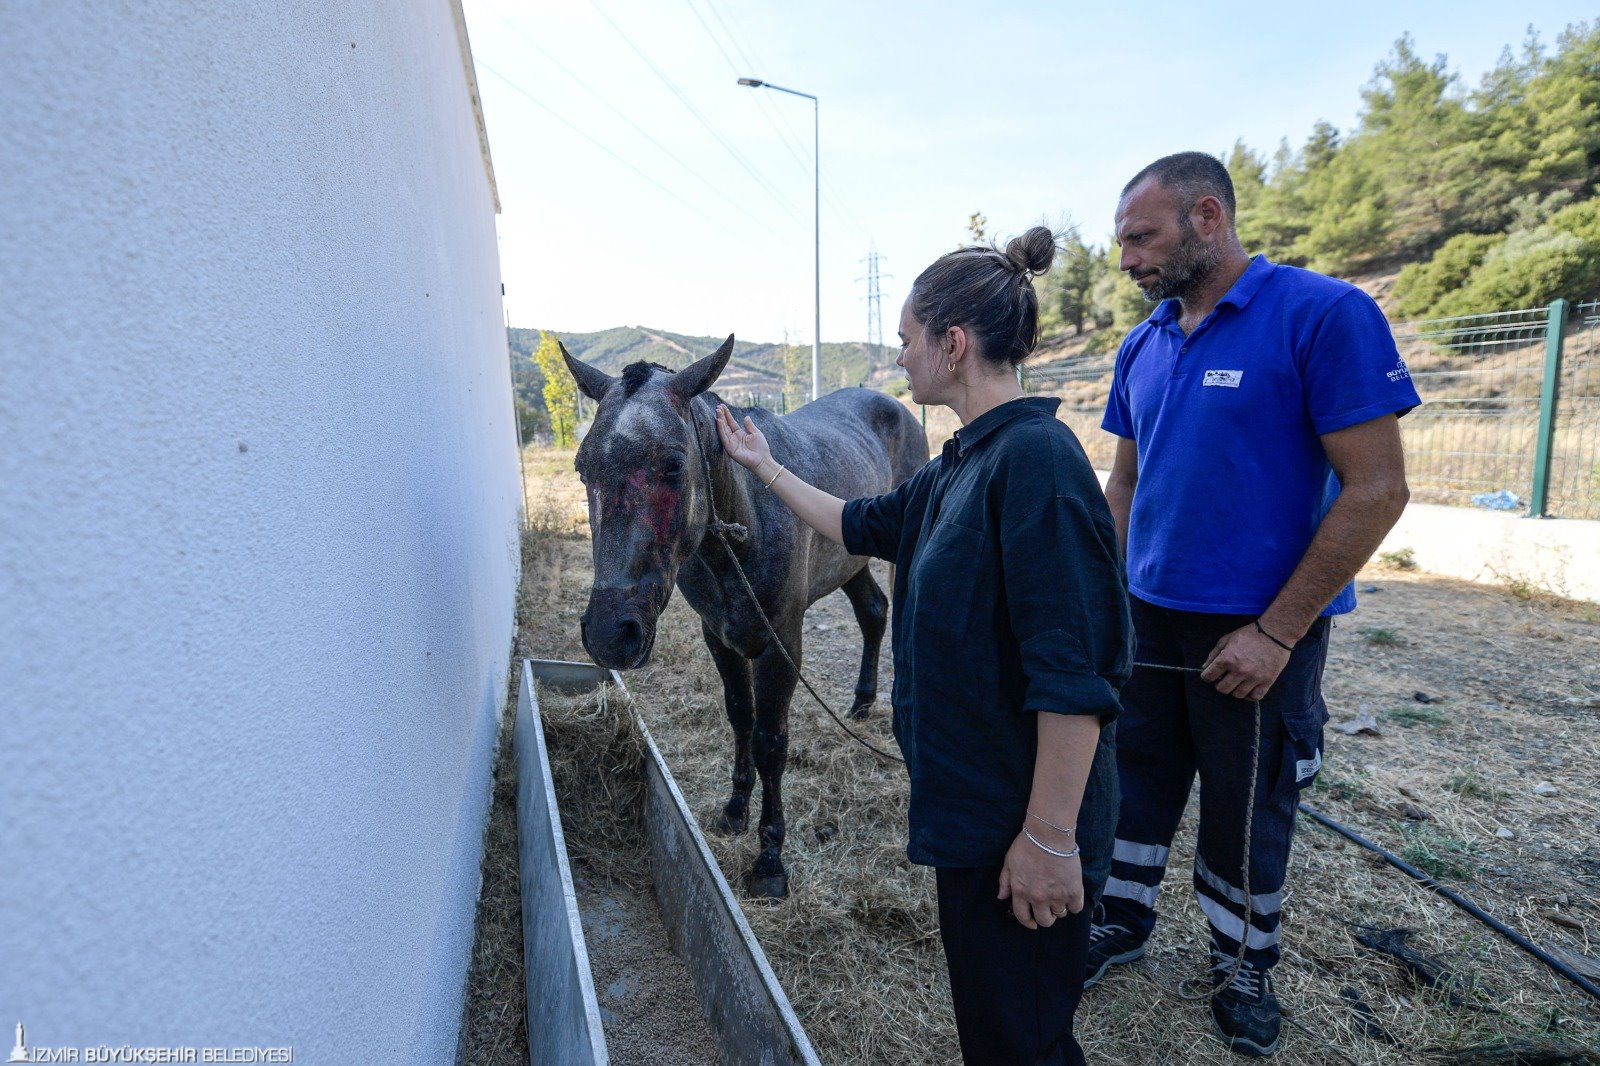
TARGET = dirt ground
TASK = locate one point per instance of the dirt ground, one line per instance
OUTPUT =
(1489, 779)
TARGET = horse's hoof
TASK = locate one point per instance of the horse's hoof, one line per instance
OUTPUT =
(772, 886)
(727, 825)
(862, 707)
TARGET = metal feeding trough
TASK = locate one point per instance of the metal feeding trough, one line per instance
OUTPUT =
(750, 1016)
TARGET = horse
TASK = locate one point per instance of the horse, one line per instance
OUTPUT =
(657, 478)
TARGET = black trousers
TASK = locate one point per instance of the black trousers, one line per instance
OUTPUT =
(1174, 726)
(1015, 989)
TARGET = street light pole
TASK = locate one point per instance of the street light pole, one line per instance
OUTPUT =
(816, 227)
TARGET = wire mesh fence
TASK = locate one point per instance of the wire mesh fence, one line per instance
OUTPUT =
(1482, 381)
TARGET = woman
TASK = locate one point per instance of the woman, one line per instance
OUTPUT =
(1011, 638)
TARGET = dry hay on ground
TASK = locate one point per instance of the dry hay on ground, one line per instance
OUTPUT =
(494, 1027)
(856, 945)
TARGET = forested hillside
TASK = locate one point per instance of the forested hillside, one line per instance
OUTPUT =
(1483, 197)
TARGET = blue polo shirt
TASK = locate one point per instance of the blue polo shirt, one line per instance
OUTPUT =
(1233, 481)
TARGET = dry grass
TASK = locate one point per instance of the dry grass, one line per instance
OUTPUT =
(494, 1029)
(856, 945)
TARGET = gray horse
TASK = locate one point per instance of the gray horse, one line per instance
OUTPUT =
(652, 465)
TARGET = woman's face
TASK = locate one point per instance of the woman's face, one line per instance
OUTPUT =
(922, 357)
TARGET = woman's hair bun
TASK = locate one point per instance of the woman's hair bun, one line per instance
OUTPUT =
(1034, 251)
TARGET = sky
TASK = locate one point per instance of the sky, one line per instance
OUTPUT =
(641, 185)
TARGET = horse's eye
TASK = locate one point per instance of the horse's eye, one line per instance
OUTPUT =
(673, 468)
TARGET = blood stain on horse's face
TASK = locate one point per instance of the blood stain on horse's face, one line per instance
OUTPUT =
(653, 503)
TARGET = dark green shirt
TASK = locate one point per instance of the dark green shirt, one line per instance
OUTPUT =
(1009, 600)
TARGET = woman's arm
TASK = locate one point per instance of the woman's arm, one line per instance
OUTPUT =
(1067, 608)
(747, 446)
(1042, 886)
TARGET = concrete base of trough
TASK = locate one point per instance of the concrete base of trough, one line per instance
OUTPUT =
(751, 1016)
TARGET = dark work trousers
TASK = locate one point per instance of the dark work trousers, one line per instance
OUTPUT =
(1174, 725)
(1015, 989)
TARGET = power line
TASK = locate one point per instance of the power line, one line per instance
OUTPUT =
(586, 87)
(759, 180)
(833, 200)
(757, 98)
(575, 129)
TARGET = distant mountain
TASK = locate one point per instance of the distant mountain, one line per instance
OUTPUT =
(754, 375)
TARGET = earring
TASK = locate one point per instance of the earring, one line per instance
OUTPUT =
(952, 367)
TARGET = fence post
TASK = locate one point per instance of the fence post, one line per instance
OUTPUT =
(1555, 331)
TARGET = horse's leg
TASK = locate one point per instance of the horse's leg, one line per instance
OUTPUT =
(774, 688)
(737, 698)
(872, 614)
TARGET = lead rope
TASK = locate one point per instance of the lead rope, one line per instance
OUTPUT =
(721, 530)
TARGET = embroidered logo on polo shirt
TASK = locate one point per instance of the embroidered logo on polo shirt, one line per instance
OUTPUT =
(1400, 371)
(1228, 379)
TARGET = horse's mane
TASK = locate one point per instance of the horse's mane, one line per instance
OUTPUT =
(634, 375)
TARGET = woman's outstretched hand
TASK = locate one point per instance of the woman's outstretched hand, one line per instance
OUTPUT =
(745, 445)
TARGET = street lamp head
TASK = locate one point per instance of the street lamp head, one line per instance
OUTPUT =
(754, 83)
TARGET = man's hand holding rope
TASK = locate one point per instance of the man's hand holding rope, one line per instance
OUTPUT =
(1245, 663)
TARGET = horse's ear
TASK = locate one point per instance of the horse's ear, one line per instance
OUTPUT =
(698, 376)
(592, 381)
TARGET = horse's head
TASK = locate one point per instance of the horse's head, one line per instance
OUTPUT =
(641, 465)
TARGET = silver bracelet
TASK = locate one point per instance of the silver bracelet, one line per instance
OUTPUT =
(1047, 848)
(1051, 825)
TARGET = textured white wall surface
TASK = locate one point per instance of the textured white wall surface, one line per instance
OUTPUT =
(258, 518)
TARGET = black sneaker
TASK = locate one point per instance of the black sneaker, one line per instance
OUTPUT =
(1246, 1011)
(1109, 945)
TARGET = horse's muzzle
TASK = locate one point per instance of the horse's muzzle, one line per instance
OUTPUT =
(619, 627)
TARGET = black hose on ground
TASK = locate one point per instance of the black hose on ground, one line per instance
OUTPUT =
(1459, 900)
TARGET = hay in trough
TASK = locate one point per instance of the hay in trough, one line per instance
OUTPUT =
(596, 761)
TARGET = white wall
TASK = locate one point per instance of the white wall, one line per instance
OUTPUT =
(258, 517)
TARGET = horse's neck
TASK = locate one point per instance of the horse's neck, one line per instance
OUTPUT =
(730, 488)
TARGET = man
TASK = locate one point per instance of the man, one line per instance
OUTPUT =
(1259, 467)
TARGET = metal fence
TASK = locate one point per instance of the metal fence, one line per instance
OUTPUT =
(1510, 415)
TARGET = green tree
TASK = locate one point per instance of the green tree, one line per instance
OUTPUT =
(1115, 303)
(560, 391)
(1420, 145)
(1072, 276)
(1348, 220)
(1579, 220)
(1429, 160)
(1272, 216)
(1528, 269)
(1422, 286)
(977, 227)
